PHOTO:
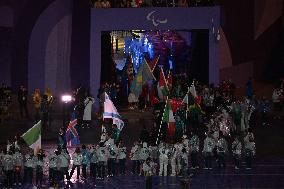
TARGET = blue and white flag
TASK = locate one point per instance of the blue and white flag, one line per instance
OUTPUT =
(110, 111)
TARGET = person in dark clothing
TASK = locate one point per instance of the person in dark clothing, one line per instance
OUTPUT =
(39, 167)
(79, 110)
(44, 107)
(144, 135)
(141, 103)
(249, 89)
(62, 139)
(23, 99)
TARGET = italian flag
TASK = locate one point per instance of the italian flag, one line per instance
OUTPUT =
(168, 117)
(33, 137)
(162, 86)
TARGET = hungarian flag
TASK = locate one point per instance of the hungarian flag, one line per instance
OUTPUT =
(153, 63)
(163, 89)
(168, 117)
(33, 137)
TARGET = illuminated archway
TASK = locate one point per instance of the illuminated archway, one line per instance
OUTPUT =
(153, 19)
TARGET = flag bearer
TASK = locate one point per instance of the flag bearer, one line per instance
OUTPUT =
(163, 158)
(102, 160)
(29, 164)
(18, 166)
(121, 157)
(209, 145)
(39, 167)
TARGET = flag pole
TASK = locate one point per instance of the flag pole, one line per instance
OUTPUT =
(157, 60)
(161, 121)
(165, 79)
(186, 113)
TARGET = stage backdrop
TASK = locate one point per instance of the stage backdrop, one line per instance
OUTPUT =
(50, 49)
(152, 19)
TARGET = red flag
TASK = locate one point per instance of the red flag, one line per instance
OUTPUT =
(152, 64)
(175, 104)
(145, 90)
(198, 100)
(171, 129)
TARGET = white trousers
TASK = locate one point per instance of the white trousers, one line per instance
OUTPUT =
(173, 166)
(163, 167)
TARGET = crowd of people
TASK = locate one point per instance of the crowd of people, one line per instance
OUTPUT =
(108, 158)
(5, 101)
(213, 126)
(149, 3)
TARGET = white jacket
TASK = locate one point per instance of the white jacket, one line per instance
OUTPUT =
(237, 147)
(53, 158)
(222, 146)
(209, 145)
(163, 153)
(135, 153)
(121, 153)
(30, 161)
(250, 146)
(39, 162)
(194, 143)
(77, 159)
(18, 159)
(64, 159)
(88, 108)
(102, 154)
(8, 162)
(144, 153)
(112, 151)
(94, 155)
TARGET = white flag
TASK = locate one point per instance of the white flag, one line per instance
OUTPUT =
(192, 90)
(110, 111)
(185, 99)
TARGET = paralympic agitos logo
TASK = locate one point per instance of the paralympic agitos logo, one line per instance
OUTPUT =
(155, 21)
